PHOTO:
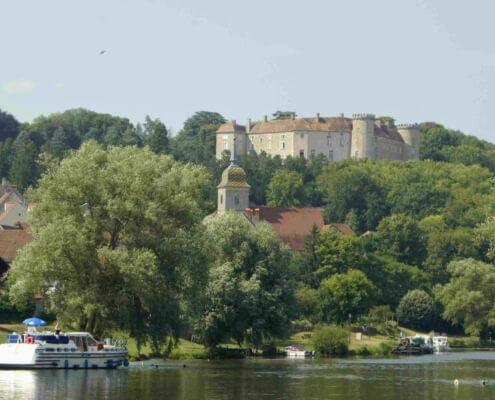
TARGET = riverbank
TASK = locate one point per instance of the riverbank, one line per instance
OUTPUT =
(365, 345)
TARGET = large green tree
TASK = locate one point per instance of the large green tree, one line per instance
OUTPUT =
(345, 297)
(469, 297)
(9, 126)
(249, 295)
(116, 242)
(286, 189)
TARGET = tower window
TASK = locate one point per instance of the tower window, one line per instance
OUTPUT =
(282, 145)
(221, 199)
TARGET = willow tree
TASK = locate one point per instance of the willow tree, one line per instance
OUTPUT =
(115, 242)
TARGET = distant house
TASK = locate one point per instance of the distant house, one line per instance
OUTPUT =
(292, 225)
(13, 223)
(12, 239)
(13, 205)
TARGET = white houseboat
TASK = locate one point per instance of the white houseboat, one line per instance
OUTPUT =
(74, 350)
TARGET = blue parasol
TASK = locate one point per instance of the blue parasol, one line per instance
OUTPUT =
(34, 322)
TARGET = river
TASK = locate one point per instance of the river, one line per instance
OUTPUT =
(413, 377)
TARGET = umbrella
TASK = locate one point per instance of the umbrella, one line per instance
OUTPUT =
(34, 322)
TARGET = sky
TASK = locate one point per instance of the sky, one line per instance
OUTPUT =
(414, 60)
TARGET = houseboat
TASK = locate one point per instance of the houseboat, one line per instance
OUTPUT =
(74, 350)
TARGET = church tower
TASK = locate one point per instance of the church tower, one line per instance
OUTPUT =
(233, 190)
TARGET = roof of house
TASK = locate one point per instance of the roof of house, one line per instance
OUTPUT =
(7, 189)
(340, 228)
(292, 225)
(11, 240)
(9, 207)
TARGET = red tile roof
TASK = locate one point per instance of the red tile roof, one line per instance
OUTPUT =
(11, 241)
(292, 225)
(340, 228)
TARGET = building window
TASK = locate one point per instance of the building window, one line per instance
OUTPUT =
(282, 145)
(225, 145)
(261, 140)
(329, 142)
(313, 153)
(236, 200)
(282, 137)
(221, 199)
(330, 155)
(269, 145)
(301, 153)
(341, 139)
(301, 135)
(225, 137)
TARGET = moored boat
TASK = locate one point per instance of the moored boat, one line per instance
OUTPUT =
(414, 345)
(441, 343)
(298, 352)
(74, 350)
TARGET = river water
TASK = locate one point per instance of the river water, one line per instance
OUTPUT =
(413, 377)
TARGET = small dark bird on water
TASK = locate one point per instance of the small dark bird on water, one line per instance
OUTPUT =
(102, 52)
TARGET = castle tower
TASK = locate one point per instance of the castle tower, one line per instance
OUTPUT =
(226, 134)
(410, 135)
(363, 142)
(233, 190)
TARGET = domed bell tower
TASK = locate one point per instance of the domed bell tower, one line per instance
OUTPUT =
(233, 190)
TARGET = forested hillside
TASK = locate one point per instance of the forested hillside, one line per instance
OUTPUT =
(425, 230)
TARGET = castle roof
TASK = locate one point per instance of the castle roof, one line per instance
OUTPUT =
(233, 176)
(320, 124)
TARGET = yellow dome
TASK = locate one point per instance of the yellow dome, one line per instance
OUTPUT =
(233, 176)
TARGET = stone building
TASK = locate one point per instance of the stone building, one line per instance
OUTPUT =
(337, 138)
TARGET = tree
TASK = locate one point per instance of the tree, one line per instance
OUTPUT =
(351, 190)
(6, 150)
(345, 297)
(416, 310)
(337, 253)
(59, 143)
(116, 243)
(399, 235)
(286, 189)
(24, 170)
(189, 144)
(9, 126)
(249, 294)
(283, 114)
(469, 297)
(156, 135)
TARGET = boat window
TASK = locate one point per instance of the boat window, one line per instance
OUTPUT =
(92, 341)
(49, 349)
(84, 344)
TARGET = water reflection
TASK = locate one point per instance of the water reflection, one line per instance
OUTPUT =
(395, 378)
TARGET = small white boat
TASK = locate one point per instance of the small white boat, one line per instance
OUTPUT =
(74, 350)
(296, 352)
(441, 343)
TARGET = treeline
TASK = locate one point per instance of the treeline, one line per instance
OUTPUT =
(422, 249)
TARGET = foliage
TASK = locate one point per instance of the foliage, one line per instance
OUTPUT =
(344, 297)
(416, 309)
(156, 135)
(9, 126)
(130, 257)
(469, 297)
(286, 189)
(283, 114)
(196, 141)
(400, 236)
(249, 294)
(24, 170)
(330, 340)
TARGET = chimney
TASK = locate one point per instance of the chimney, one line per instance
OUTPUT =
(265, 118)
(341, 115)
(293, 116)
(317, 117)
(248, 125)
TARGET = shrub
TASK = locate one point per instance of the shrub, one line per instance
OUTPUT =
(416, 309)
(330, 340)
(269, 349)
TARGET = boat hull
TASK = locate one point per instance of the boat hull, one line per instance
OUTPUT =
(35, 356)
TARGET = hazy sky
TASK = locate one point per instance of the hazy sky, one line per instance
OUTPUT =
(415, 60)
